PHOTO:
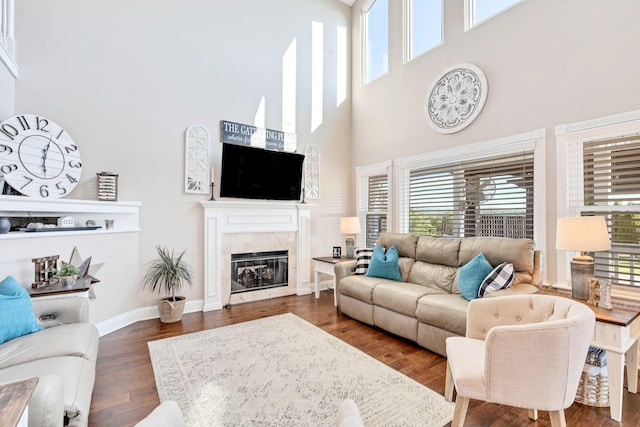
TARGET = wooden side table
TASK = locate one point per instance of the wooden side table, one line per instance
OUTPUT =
(60, 289)
(617, 331)
(14, 399)
(325, 265)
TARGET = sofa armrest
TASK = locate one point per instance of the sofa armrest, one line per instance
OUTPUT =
(536, 278)
(60, 311)
(46, 406)
(342, 269)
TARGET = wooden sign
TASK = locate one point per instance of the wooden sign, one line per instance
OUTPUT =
(243, 134)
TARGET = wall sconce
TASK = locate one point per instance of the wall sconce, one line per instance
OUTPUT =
(350, 225)
(584, 234)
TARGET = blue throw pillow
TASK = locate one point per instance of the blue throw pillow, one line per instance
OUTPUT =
(16, 313)
(471, 276)
(385, 265)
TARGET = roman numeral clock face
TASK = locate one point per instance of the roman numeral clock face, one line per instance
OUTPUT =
(37, 157)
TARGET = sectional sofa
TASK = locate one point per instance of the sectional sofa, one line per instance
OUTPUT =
(426, 306)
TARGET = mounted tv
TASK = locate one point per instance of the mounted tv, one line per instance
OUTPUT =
(256, 173)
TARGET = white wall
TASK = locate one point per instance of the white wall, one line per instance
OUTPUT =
(126, 79)
(7, 92)
(547, 62)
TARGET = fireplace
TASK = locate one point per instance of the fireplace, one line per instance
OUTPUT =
(259, 270)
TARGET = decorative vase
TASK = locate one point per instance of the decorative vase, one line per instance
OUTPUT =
(5, 225)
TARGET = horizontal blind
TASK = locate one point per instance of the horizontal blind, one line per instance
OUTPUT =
(482, 197)
(378, 202)
(612, 189)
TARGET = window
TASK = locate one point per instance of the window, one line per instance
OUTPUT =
(478, 11)
(599, 174)
(484, 197)
(373, 200)
(375, 26)
(422, 26)
(472, 191)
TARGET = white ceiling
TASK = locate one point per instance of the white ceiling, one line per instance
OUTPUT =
(349, 2)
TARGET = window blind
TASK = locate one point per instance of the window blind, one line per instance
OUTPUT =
(481, 197)
(378, 201)
(611, 182)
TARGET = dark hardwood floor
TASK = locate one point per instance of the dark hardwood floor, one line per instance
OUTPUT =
(125, 391)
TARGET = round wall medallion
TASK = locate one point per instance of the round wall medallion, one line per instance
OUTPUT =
(456, 98)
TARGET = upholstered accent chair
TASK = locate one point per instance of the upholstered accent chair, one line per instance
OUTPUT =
(525, 351)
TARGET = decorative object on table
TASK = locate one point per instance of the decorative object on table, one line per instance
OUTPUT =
(213, 186)
(66, 221)
(38, 157)
(311, 175)
(594, 291)
(456, 98)
(45, 271)
(67, 273)
(584, 234)
(337, 252)
(350, 226)
(90, 223)
(108, 224)
(605, 295)
(593, 388)
(86, 270)
(107, 186)
(168, 273)
(5, 225)
(196, 160)
(38, 227)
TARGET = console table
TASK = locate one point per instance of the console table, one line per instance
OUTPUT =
(14, 398)
(617, 331)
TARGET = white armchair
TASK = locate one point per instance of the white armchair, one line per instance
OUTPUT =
(525, 351)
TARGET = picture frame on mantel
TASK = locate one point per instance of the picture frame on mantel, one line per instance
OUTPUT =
(196, 160)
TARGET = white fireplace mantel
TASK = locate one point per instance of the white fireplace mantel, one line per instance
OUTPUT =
(242, 217)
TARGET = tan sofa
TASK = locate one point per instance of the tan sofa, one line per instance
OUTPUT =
(426, 307)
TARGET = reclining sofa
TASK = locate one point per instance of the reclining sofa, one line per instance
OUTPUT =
(426, 306)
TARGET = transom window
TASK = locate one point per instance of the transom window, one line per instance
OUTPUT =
(375, 26)
(422, 26)
(481, 10)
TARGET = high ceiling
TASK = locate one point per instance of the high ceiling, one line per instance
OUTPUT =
(349, 2)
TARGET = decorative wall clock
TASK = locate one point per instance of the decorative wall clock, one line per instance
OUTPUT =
(37, 157)
(312, 172)
(196, 169)
(456, 98)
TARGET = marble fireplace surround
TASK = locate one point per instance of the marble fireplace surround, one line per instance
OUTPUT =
(247, 226)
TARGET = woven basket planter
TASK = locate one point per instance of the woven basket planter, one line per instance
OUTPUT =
(171, 311)
(593, 389)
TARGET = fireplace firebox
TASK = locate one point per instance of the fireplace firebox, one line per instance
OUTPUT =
(259, 270)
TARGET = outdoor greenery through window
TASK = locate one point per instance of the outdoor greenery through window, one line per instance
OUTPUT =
(481, 10)
(377, 205)
(423, 26)
(484, 197)
(611, 173)
(376, 40)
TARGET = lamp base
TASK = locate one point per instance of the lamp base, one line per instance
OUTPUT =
(581, 272)
(350, 244)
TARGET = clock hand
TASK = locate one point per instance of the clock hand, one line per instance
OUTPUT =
(44, 157)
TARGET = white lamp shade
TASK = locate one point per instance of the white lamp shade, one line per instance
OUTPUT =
(350, 225)
(585, 234)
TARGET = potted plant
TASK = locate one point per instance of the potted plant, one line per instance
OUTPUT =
(67, 273)
(168, 273)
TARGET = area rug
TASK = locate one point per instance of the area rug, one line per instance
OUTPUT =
(284, 371)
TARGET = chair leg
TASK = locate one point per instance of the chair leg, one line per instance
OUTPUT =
(533, 414)
(448, 385)
(557, 418)
(460, 411)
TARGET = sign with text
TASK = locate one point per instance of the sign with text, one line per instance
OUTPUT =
(243, 134)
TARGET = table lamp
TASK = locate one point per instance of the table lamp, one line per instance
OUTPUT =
(350, 225)
(584, 234)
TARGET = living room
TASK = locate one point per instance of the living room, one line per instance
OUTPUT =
(126, 81)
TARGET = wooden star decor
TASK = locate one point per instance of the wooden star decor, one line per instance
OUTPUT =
(86, 270)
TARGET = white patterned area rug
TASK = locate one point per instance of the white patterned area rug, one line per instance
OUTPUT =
(284, 371)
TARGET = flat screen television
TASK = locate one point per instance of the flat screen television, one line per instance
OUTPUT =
(255, 173)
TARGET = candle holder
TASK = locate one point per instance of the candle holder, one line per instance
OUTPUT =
(212, 198)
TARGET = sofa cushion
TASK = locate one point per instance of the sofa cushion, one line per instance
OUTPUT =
(500, 278)
(363, 258)
(445, 311)
(401, 298)
(438, 250)
(384, 264)
(405, 243)
(16, 313)
(497, 250)
(441, 276)
(360, 287)
(471, 275)
(405, 264)
(76, 339)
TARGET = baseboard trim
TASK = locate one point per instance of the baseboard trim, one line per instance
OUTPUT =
(144, 313)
